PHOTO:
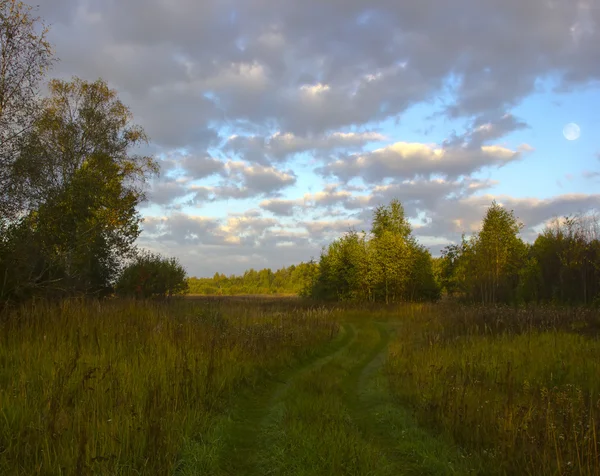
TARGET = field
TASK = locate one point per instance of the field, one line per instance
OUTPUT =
(280, 386)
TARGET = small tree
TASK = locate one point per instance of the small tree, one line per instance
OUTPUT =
(151, 275)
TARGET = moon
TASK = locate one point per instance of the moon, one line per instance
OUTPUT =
(571, 131)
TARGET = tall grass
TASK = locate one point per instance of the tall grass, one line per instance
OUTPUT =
(521, 387)
(116, 387)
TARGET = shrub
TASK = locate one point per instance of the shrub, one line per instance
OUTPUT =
(151, 275)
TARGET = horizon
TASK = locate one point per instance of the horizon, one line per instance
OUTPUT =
(279, 125)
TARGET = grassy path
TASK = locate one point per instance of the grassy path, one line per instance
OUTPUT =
(391, 427)
(332, 415)
(239, 451)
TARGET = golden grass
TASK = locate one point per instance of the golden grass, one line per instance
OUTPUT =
(521, 387)
(117, 387)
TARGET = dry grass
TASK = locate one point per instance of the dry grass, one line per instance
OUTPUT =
(117, 387)
(520, 387)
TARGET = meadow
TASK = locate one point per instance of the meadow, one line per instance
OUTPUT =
(129, 387)
(520, 388)
(257, 386)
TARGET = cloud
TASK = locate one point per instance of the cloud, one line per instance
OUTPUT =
(315, 67)
(320, 230)
(201, 167)
(181, 229)
(165, 192)
(257, 179)
(408, 160)
(233, 94)
(279, 147)
(280, 207)
(450, 218)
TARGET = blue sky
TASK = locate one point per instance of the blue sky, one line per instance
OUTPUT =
(280, 124)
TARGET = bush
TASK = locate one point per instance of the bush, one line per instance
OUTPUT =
(152, 276)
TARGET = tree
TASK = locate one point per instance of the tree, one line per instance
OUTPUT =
(422, 283)
(152, 276)
(390, 218)
(84, 184)
(498, 254)
(387, 265)
(391, 257)
(455, 274)
(488, 266)
(25, 57)
(567, 254)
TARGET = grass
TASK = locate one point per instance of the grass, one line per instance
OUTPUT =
(129, 388)
(253, 386)
(338, 417)
(519, 387)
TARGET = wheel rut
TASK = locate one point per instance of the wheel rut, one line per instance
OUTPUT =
(255, 411)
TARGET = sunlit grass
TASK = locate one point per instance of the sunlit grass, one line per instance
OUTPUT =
(180, 388)
(124, 387)
(519, 387)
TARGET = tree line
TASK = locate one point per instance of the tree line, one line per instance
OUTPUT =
(294, 279)
(495, 265)
(385, 265)
(70, 180)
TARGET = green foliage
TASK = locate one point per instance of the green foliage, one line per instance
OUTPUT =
(295, 279)
(26, 55)
(391, 219)
(385, 266)
(152, 276)
(495, 265)
(567, 257)
(83, 186)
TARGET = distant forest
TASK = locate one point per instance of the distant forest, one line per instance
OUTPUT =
(387, 264)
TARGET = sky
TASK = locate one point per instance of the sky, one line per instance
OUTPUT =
(279, 124)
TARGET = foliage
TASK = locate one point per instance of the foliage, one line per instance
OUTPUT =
(26, 57)
(294, 279)
(151, 275)
(495, 265)
(386, 266)
(84, 185)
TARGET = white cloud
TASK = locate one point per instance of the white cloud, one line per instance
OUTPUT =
(408, 160)
(246, 88)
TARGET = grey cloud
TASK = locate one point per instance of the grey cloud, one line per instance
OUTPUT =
(450, 218)
(192, 70)
(206, 244)
(179, 228)
(422, 195)
(165, 192)
(375, 61)
(320, 230)
(278, 147)
(201, 167)
(231, 245)
(280, 207)
(239, 181)
(487, 128)
(257, 179)
(408, 160)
